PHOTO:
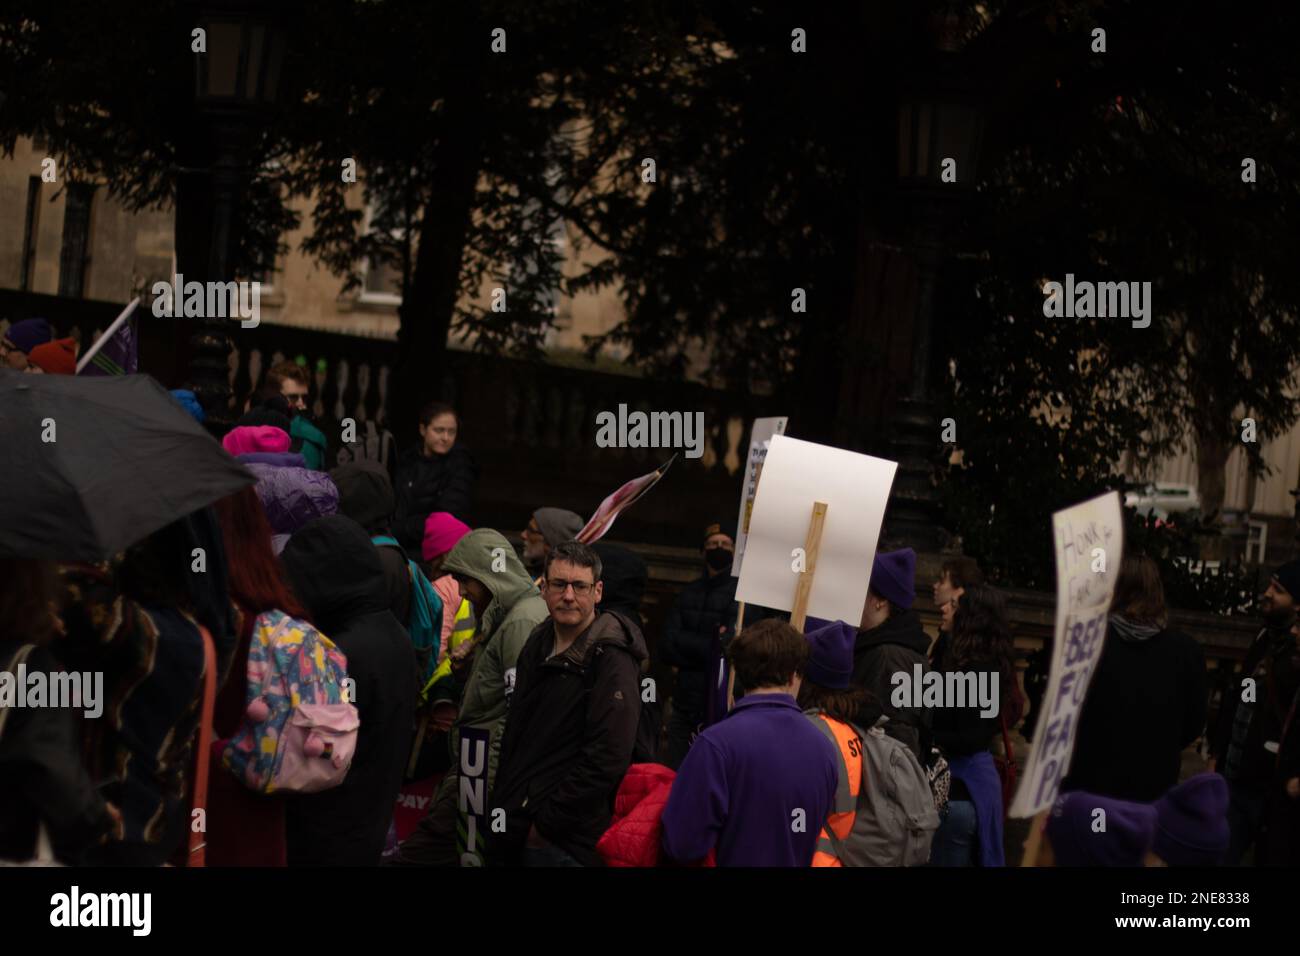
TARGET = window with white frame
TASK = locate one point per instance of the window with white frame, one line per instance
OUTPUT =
(381, 278)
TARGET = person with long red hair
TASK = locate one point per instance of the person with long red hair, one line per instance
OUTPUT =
(244, 828)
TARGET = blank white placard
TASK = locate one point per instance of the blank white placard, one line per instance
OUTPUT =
(855, 488)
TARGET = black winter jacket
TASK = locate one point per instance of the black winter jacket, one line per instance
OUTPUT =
(897, 645)
(366, 496)
(42, 777)
(1145, 703)
(428, 484)
(568, 738)
(962, 731)
(1274, 661)
(701, 609)
(336, 572)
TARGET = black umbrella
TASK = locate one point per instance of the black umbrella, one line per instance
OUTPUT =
(88, 466)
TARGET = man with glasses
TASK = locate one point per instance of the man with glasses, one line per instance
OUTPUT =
(547, 528)
(292, 382)
(572, 721)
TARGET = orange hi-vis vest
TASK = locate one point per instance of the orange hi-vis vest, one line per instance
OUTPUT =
(849, 746)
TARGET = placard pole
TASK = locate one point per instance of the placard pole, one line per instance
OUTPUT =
(812, 544)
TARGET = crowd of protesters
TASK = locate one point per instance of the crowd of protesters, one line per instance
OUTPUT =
(421, 647)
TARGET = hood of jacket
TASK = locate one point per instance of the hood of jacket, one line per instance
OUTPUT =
(473, 557)
(904, 629)
(624, 574)
(302, 427)
(335, 571)
(365, 494)
(634, 830)
(293, 496)
(610, 628)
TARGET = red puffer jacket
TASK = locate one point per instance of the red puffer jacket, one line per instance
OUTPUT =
(633, 835)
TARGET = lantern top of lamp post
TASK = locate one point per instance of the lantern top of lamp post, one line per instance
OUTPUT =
(239, 68)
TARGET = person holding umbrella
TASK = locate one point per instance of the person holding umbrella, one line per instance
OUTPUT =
(112, 475)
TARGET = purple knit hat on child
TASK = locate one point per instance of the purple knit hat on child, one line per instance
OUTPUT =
(1080, 836)
(1192, 822)
(830, 657)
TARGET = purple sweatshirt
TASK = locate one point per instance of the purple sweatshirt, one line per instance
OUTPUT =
(741, 783)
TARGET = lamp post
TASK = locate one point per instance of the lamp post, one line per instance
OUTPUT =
(236, 80)
(938, 120)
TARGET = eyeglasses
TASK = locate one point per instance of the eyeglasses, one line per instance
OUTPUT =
(580, 588)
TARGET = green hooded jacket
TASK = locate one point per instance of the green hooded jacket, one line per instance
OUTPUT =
(516, 608)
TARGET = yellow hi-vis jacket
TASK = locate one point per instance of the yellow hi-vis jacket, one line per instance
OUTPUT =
(462, 630)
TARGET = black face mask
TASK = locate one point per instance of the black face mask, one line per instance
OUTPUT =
(718, 558)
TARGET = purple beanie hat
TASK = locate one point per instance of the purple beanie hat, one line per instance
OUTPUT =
(830, 655)
(28, 334)
(1192, 822)
(1130, 829)
(893, 576)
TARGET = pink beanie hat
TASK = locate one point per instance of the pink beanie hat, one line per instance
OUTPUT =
(441, 532)
(247, 439)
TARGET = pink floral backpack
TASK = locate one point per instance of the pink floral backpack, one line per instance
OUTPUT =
(299, 730)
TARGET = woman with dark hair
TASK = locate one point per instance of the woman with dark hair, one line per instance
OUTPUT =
(438, 474)
(956, 575)
(1147, 700)
(42, 780)
(980, 660)
(245, 828)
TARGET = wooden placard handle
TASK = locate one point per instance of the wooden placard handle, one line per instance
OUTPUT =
(812, 544)
(1035, 839)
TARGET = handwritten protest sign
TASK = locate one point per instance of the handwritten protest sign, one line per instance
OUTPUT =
(796, 475)
(1089, 539)
(760, 436)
